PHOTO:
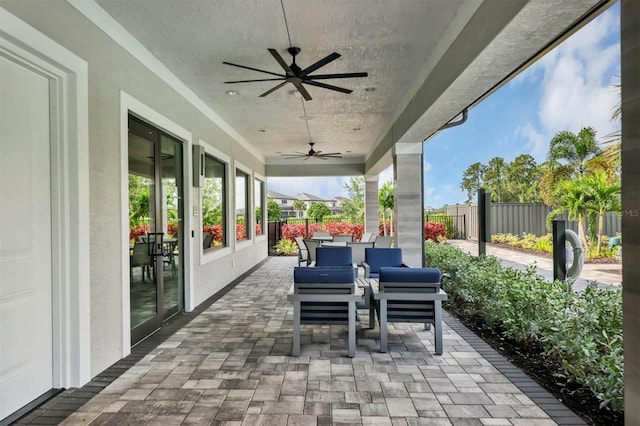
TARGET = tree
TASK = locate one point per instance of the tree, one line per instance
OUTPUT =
(138, 200)
(521, 175)
(212, 205)
(602, 197)
(472, 179)
(299, 206)
(494, 179)
(571, 197)
(353, 208)
(574, 149)
(553, 173)
(273, 211)
(317, 211)
(386, 203)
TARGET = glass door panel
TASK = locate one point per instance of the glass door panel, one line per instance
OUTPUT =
(171, 170)
(143, 291)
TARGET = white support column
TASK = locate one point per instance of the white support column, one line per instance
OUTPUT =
(409, 202)
(371, 218)
(630, 67)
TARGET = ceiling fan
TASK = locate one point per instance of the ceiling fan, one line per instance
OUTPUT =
(297, 76)
(312, 154)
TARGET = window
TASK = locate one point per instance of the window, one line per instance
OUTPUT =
(213, 204)
(283, 202)
(242, 206)
(258, 191)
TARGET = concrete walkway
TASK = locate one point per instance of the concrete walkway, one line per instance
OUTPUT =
(230, 364)
(607, 276)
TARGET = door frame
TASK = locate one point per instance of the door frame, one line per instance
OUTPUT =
(131, 105)
(68, 77)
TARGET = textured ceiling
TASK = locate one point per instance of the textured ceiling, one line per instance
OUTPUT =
(397, 42)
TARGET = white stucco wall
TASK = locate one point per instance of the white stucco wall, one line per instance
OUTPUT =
(112, 70)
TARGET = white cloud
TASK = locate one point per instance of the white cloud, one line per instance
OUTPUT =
(577, 86)
(535, 143)
(427, 167)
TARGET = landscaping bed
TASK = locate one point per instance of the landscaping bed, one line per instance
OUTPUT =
(571, 343)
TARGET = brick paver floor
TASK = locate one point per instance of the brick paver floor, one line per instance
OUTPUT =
(231, 365)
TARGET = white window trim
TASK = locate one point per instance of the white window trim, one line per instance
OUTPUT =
(265, 223)
(68, 77)
(240, 245)
(211, 255)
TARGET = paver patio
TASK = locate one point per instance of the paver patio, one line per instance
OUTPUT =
(231, 365)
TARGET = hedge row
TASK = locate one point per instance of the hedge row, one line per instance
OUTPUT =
(581, 332)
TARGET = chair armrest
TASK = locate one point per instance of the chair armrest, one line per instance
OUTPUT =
(439, 295)
(367, 269)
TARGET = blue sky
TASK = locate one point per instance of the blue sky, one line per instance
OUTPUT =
(569, 88)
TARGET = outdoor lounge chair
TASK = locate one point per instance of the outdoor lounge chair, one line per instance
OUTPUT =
(409, 295)
(335, 257)
(324, 296)
(375, 258)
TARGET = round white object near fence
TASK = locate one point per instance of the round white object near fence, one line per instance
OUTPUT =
(577, 255)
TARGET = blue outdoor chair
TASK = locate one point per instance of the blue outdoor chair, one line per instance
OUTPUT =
(375, 258)
(335, 257)
(410, 295)
(324, 295)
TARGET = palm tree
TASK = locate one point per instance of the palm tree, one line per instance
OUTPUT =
(602, 197)
(385, 200)
(572, 197)
(574, 149)
(298, 206)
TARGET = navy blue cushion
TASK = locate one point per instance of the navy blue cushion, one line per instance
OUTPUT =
(409, 275)
(378, 257)
(333, 256)
(333, 275)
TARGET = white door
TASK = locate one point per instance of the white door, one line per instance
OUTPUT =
(26, 352)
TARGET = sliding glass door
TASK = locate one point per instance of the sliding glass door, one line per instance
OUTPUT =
(155, 228)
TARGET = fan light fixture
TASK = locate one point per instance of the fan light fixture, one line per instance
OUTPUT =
(294, 74)
(312, 153)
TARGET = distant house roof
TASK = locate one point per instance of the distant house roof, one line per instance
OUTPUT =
(310, 197)
(341, 199)
(273, 194)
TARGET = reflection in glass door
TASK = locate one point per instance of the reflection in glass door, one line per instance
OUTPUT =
(155, 228)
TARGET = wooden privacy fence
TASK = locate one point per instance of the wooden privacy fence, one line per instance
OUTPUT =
(517, 218)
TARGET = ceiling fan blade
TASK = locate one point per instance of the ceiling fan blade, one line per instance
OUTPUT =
(331, 153)
(273, 89)
(303, 91)
(253, 69)
(281, 61)
(341, 75)
(251, 81)
(327, 86)
(322, 62)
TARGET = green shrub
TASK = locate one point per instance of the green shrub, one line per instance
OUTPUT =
(286, 247)
(544, 244)
(581, 332)
(505, 239)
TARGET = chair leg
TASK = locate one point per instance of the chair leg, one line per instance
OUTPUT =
(383, 325)
(427, 326)
(352, 329)
(295, 349)
(438, 326)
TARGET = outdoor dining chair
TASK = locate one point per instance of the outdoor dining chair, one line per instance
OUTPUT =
(383, 242)
(303, 253)
(311, 246)
(366, 237)
(342, 238)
